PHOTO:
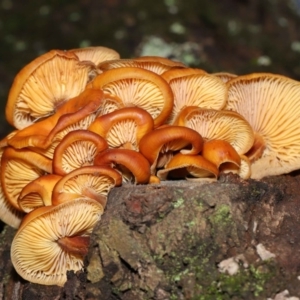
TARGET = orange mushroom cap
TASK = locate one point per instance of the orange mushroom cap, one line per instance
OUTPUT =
(219, 152)
(169, 138)
(93, 182)
(124, 127)
(18, 168)
(214, 124)
(77, 149)
(38, 193)
(133, 161)
(155, 64)
(138, 87)
(95, 54)
(42, 133)
(44, 84)
(188, 166)
(53, 240)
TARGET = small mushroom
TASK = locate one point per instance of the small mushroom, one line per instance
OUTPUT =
(129, 162)
(53, 240)
(138, 87)
(18, 168)
(218, 124)
(159, 145)
(93, 182)
(190, 167)
(44, 85)
(77, 149)
(124, 127)
(95, 54)
(38, 192)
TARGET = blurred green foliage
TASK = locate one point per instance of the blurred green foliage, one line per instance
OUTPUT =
(239, 36)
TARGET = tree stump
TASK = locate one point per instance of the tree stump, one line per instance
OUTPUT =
(230, 239)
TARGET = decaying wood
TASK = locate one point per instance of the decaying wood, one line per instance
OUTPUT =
(230, 239)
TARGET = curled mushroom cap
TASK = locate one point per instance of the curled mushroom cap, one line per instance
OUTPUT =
(41, 134)
(53, 240)
(44, 84)
(270, 103)
(218, 124)
(77, 149)
(165, 139)
(202, 90)
(124, 127)
(220, 152)
(95, 54)
(18, 168)
(128, 162)
(191, 167)
(38, 193)
(93, 182)
(138, 87)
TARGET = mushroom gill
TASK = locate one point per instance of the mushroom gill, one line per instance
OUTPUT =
(53, 240)
(77, 149)
(124, 127)
(138, 87)
(271, 105)
(44, 84)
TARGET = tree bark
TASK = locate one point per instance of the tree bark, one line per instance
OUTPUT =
(231, 239)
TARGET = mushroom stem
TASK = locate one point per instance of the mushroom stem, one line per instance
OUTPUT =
(77, 245)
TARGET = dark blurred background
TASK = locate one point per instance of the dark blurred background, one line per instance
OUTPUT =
(238, 36)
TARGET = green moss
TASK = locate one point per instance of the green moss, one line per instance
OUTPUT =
(222, 215)
(247, 284)
(178, 202)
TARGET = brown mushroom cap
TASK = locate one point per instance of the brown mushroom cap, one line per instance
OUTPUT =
(128, 162)
(78, 112)
(44, 84)
(95, 54)
(18, 168)
(219, 152)
(53, 240)
(170, 138)
(271, 104)
(124, 127)
(218, 124)
(138, 87)
(77, 149)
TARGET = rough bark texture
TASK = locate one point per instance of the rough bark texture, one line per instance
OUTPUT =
(171, 241)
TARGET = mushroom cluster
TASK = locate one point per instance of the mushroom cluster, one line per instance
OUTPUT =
(86, 121)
